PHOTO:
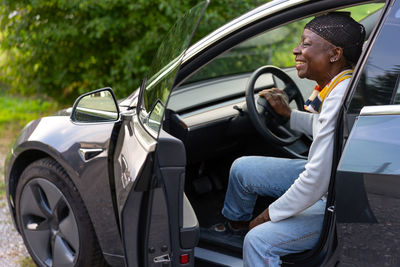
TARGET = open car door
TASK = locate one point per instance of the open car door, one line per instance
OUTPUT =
(157, 224)
(367, 189)
(368, 175)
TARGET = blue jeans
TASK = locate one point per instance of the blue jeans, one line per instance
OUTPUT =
(267, 176)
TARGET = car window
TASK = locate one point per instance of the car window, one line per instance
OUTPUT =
(397, 95)
(225, 77)
(165, 65)
(273, 47)
(378, 83)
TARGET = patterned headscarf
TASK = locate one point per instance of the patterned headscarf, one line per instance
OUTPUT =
(341, 30)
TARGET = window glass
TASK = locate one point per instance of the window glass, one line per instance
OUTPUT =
(164, 67)
(397, 96)
(273, 47)
(380, 75)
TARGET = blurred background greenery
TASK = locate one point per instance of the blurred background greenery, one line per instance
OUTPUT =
(63, 48)
(51, 51)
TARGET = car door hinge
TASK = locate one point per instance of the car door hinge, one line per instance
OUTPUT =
(331, 208)
(162, 259)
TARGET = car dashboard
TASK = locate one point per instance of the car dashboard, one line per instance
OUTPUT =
(210, 117)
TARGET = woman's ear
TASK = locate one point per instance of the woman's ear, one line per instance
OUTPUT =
(336, 54)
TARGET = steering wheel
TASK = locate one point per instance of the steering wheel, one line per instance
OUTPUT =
(267, 122)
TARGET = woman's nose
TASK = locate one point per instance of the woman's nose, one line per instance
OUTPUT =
(296, 50)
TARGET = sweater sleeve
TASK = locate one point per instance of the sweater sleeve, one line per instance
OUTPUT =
(313, 182)
(301, 121)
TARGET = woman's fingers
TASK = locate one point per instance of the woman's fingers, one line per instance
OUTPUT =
(270, 91)
(261, 218)
(278, 100)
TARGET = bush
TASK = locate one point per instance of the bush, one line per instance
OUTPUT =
(63, 48)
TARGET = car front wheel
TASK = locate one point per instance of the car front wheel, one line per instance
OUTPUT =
(52, 218)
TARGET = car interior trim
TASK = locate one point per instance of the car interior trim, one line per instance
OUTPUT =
(380, 110)
(217, 257)
(144, 138)
(209, 116)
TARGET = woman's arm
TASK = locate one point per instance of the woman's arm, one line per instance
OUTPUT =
(313, 182)
(302, 121)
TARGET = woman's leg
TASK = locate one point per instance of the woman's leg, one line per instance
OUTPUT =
(264, 244)
(253, 176)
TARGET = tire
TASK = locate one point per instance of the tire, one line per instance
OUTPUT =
(53, 220)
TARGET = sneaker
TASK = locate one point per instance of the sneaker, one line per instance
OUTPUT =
(222, 234)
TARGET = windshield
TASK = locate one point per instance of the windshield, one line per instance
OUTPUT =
(165, 65)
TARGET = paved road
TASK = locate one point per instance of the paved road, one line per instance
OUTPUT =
(12, 249)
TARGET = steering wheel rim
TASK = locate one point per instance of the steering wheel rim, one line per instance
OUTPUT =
(259, 118)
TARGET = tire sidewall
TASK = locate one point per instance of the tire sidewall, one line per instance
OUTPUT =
(47, 169)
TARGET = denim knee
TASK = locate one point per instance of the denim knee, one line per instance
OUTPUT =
(257, 252)
(236, 171)
(236, 165)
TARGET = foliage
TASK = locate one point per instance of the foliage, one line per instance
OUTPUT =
(63, 48)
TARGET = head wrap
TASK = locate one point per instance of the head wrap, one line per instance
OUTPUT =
(341, 30)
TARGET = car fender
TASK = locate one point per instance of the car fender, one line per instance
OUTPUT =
(63, 140)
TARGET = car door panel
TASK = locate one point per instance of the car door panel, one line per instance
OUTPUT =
(367, 191)
(132, 150)
(368, 175)
(172, 170)
(157, 221)
(132, 172)
(184, 228)
(149, 164)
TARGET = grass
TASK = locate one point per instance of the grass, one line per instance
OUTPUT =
(27, 262)
(15, 113)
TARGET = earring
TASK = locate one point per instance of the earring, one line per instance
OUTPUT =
(333, 60)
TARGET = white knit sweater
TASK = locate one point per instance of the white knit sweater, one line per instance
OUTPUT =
(312, 184)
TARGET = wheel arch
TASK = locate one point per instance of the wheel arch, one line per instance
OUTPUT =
(18, 166)
(20, 163)
(29, 152)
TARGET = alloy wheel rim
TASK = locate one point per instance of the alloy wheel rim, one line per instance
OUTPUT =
(49, 224)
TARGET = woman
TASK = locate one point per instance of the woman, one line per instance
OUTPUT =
(331, 44)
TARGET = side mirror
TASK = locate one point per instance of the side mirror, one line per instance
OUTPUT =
(96, 106)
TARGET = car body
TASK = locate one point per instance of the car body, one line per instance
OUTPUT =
(144, 175)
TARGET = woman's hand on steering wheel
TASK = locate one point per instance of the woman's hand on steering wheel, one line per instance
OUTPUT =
(268, 123)
(278, 100)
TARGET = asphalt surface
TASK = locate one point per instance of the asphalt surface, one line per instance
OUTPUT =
(12, 248)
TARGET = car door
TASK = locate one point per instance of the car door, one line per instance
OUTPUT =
(157, 224)
(367, 184)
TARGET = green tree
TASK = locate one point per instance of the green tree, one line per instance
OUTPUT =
(62, 48)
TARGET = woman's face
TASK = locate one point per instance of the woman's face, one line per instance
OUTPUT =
(313, 56)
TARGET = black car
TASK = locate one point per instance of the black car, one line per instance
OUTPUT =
(133, 182)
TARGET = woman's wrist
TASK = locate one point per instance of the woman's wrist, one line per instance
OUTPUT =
(265, 215)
